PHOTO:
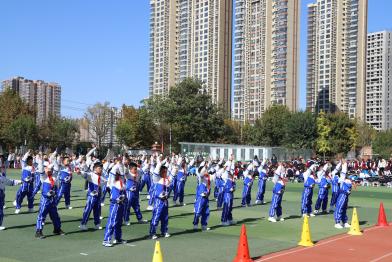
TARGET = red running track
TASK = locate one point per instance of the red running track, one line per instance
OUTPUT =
(375, 245)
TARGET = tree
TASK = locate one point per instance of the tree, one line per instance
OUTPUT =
(189, 112)
(99, 120)
(342, 135)
(22, 131)
(271, 128)
(136, 128)
(382, 144)
(366, 134)
(323, 131)
(301, 131)
(12, 107)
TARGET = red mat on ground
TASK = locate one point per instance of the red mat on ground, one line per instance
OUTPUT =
(374, 245)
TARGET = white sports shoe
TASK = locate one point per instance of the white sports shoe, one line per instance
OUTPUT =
(347, 225)
(14, 203)
(121, 241)
(225, 224)
(142, 221)
(312, 215)
(149, 208)
(167, 235)
(68, 207)
(272, 219)
(107, 244)
(102, 204)
(154, 237)
(83, 227)
(2, 228)
(338, 226)
(257, 202)
(280, 219)
(148, 197)
(205, 228)
(98, 227)
(17, 211)
(127, 223)
(101, 217)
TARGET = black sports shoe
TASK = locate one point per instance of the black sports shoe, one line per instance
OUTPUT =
(39, 235)
(58, 232)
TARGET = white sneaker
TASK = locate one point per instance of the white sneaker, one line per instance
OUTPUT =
(312, 215)
(347, 225)
(225, 224)
(148, 197)
(127, 223)
(272, 219)
(31, 210)
(153, 237)
(107, 244)
(315, 212)
(98, 227)
(83, 227)
(68, 207)
(149, 208)
(182, 204)
(121, 241)
(305, 215)
(14, 203)
(17, 211)
(280, 219)
(205, 228)
(195, 227)
(102, 204)
(167, 235)
(101, 217)
(257, 202)
(4, 206)
(2, 228)
(338, 226)
(264, 203)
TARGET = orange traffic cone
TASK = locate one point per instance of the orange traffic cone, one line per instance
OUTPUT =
(243, 249)
(382, 218)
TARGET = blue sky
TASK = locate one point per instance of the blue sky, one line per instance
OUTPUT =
(98, 49)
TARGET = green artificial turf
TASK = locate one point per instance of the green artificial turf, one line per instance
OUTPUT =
(17, 243)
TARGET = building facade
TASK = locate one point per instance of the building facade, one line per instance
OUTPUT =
(191, 38)
(42, 97)
(379, 80)
(336, 62)
(266, 56)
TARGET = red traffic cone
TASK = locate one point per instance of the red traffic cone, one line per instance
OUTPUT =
(382, 218)
(243, 249)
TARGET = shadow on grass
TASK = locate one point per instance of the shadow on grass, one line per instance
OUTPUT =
(46, 224)
(292, 217)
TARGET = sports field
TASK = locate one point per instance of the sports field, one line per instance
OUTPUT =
(17, 243)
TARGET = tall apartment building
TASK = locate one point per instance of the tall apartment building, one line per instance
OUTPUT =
(191, 38)
(379, 80)
(42, 97)
(337, 31)
(266, 57)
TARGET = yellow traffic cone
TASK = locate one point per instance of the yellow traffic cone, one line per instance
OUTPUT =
(306, 240)
(354, 229)
(157, 253)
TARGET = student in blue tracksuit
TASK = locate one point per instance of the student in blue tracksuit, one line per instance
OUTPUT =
(145, 179)
(48, 203)
(116, 212)
(106, 175)
(27, 186)
(228, 198)
(248, 183)
(181, 179)
(262, 183)
(202, 208)
(4, 181)
(340, 215)
(160, 212)
(307, 194)
(93, 203)
(132, 200)
(324, 185)
(219, 185)
(335, 186)
(37, 178)
(65, 177)
(277, 196)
